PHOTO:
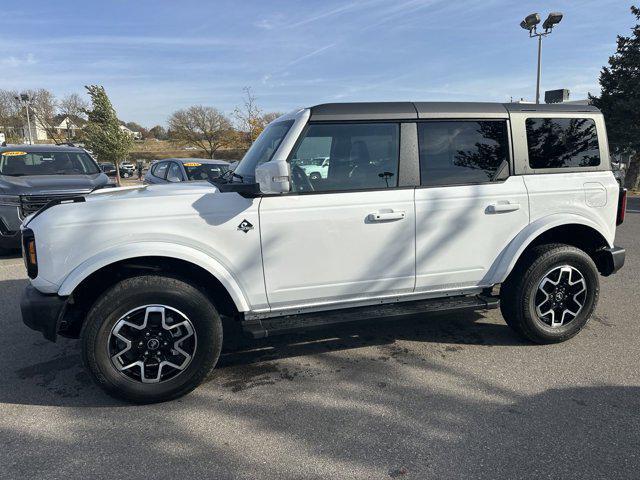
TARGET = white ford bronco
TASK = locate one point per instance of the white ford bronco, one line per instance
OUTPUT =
(424, 207)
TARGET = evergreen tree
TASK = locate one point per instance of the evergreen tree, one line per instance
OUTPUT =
(102, 133)
(620, 98)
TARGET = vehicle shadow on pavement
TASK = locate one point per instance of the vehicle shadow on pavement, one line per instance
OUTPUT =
(461, 328)
(45, 373)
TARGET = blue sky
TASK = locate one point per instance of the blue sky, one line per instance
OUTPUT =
(154, 57)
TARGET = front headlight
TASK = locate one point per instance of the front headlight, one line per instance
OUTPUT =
(10, 200)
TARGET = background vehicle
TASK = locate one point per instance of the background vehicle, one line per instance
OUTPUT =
(109, 169)
(33, 175)
(127, 169)
(317, 168)
(173, 170)
(425, 207)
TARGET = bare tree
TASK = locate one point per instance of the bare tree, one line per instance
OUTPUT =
(250, 119)
(74, 106)
(11, 116)
(44, 106)
(204, 127)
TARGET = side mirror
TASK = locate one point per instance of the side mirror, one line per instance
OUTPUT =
(273, 177)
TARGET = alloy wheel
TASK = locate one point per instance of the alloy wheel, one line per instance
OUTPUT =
(152, 343)
(560, 296)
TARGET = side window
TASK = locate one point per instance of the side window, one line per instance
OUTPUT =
(562, 142)
(159, 170)
(459, 152)
(346, 156)
(174, 174)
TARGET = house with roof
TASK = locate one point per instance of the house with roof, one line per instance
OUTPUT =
(132, 133)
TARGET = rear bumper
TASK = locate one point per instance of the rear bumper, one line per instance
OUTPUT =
(42, 312)
(612, 260)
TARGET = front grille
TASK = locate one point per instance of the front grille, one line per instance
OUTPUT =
(32, 203)
(4, 230)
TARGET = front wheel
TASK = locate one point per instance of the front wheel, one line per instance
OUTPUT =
(151, 339)
(551, 294)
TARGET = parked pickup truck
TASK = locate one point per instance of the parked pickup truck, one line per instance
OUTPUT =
(425, 207)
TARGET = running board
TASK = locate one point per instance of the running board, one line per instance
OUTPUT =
(257, 328)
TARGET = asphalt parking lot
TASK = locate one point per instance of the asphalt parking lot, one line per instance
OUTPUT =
(449, 396)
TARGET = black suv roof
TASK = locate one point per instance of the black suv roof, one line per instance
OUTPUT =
(416, 110)
(41, 148)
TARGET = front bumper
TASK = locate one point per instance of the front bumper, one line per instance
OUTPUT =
(10, 241)
(42, 312)
(9, 228)
(611, 260)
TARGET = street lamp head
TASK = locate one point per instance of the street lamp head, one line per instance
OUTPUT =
(552, 20)
(530, 21)
(24, 97)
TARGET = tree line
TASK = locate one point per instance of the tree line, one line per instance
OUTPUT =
(47, 111)
(201, 126)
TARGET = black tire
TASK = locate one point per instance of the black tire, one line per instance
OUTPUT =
(518, 292)
(135, 292)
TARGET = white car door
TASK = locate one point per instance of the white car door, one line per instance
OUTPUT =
(348, 236)
(468, 208)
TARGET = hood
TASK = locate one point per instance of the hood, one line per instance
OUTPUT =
(51, 184)
(118, 204)
(146, 191)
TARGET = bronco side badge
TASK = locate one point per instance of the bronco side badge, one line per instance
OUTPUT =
(245, 226)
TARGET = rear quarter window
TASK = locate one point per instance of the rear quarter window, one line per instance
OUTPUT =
(562, 143)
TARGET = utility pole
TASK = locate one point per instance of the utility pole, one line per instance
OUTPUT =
(530, 23)
(24, 99)
(539, 69)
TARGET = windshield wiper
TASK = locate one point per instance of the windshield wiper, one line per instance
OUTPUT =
(229, 175)
(237, 175)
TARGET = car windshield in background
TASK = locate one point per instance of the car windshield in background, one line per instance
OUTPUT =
(263, 148)
(19, 164)
(204, 171)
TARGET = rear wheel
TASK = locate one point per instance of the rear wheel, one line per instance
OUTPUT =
(151, 338)
(551, 294)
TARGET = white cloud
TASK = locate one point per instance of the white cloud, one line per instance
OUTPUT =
(28, 59)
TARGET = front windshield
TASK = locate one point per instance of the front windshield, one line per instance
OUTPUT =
(19, 164)
(204, 171)
(263, 148)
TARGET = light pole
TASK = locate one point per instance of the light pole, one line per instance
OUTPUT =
(24, 99)
(530, 23)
